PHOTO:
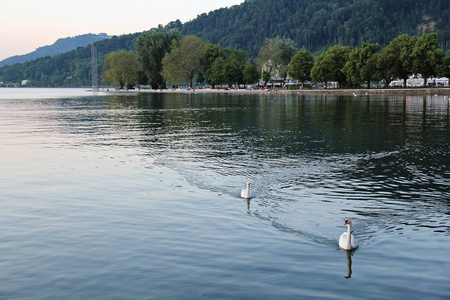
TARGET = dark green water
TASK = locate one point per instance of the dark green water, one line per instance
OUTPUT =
(137, 196)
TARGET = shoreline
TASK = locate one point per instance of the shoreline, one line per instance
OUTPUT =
(356, 92)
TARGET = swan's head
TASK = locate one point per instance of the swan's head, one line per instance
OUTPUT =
(348, 222)
(248, 184)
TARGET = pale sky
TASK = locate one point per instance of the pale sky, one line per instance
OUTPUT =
(28, 24)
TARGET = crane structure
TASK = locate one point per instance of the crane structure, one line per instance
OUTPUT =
(94, 64)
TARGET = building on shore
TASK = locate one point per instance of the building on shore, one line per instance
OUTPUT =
(417, 81)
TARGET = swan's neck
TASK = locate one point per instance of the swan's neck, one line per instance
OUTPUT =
(248, 191)
(349, 236)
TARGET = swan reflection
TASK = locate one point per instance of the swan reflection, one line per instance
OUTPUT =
(348, 255)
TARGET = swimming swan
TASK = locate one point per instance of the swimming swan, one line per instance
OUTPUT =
(245, 193)
(347, 241)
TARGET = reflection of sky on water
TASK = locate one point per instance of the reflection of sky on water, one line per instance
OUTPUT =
(138, 191)
(375, 159)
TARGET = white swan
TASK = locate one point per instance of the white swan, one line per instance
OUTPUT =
(347, 241)
(246, 193)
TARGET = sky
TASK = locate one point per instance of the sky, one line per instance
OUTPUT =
(29, 24)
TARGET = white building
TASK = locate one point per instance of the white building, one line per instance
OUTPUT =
(417, 81)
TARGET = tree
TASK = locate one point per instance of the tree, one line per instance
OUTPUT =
(233, 72)
(301, 65)
(183, 61)
(427, 56)
(386, 64)
(228, 67)
(444, 68)
(120, 67)
(406, 44)
(234, 66)
(251, 74)
(396, 59)
(151, 47)
(215, 74)
(369, 71)
(275, 56)
(361, 64)
(266, 77)
(330, 64)
(209, 55)
(352, 68)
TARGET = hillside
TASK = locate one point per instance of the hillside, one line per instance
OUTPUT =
(314, 25)
(317, 24)
(60, 46)
(72, 68)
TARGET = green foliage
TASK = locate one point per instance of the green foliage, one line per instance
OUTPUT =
(235, 62)
(251, 74)
(444, 69)
(151, 47)
(183, 61)
(72, 68)
(368, 62)
(315, 25)
(211, 65)
(215, 75)
(266, 77)
(233, 72)
(427, 55)
(120, 68)
(311, 25)
(275, 56)
(224, 65)
(386, 65)
(396, 60)
(361, 64)
(301, 66)
(330, 65)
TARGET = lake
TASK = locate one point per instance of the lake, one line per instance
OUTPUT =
(137, 196)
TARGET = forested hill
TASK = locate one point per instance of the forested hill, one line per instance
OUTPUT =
(314, 25)
(60, 46)
(317, 24)
(72, 68)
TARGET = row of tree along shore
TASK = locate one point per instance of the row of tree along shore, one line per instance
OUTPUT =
(164, 59)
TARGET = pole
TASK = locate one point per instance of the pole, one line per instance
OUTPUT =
(94, 67)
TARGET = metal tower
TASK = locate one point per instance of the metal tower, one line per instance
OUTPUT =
(94, 67)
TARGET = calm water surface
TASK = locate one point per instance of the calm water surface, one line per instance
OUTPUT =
(136, 196)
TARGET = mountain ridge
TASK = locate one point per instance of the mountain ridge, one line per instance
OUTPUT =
(61, 45)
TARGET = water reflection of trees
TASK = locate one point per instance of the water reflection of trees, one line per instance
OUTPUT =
(291, 125)
(396, 147)
(334, 119)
